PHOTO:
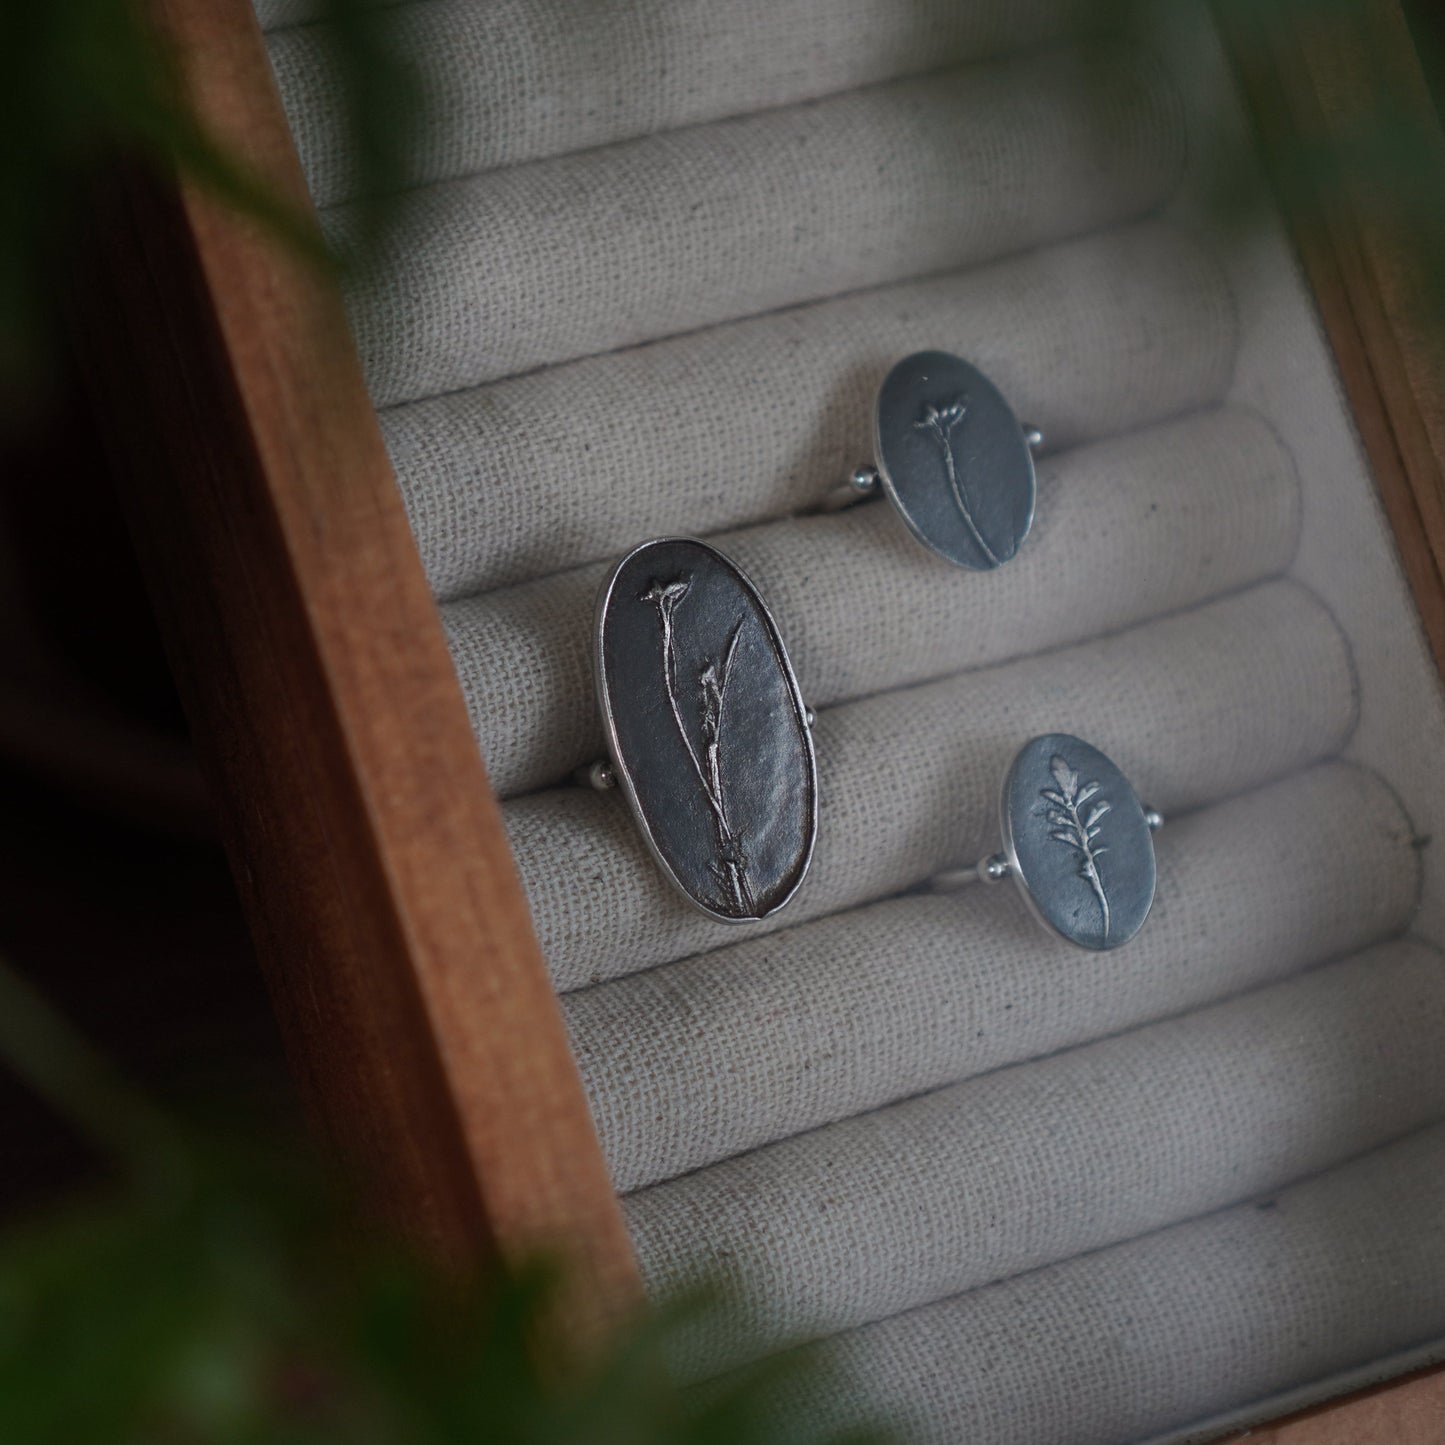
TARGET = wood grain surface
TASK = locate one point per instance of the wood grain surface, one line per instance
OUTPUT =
(1404, 1412)
(1332, 83)
(368, 846)
(357, 813)
(1338, 97)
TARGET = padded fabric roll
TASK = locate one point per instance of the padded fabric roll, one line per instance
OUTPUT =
(693, 1062)
(532, 265)
(1239, 692)
(277, 14)
(755, 420)
(1163, 1331)
(516, 80)
(1127, 530)
(1041, 1162)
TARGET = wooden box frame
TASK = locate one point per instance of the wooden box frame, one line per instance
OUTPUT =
(368, 846)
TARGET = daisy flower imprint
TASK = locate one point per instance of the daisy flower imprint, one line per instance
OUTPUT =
(942, 421)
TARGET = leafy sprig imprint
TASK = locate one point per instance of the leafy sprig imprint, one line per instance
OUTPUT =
(732, 860)
(1076, 828)
(941, 421)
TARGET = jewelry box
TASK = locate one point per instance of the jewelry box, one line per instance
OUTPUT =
(653, 267)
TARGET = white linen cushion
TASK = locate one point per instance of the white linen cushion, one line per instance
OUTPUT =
(653, 273)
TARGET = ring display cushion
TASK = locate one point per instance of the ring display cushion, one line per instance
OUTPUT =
(1134, 527)
(652, 271)
(998, 1175)
(706, 1058)
(519, 80)
(754, 419)
(906, 789)
(1133, 1341)
(501, 273)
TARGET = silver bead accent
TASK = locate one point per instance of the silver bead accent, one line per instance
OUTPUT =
(598, 776)
(863, 483)
(993, 869)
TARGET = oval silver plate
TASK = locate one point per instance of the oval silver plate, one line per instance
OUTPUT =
(954, 460)
(706, 728)
(1077, 842)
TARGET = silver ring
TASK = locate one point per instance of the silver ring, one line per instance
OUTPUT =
(708, 737)
(952, 458)
(1076, 840)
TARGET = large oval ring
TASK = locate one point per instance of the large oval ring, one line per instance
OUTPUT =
(953, 459)
(1076, 840)
(707, 734)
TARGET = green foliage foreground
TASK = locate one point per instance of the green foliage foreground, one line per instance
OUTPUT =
(221, 1290)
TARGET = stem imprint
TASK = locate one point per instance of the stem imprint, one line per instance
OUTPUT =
(1076, 828)
(732, 859)
(941, 421)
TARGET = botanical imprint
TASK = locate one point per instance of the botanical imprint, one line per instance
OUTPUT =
(731, 866)
(941, 421)
(1076, 828)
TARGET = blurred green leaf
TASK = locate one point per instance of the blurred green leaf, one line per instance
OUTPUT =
(223, 1290)
(87, 81)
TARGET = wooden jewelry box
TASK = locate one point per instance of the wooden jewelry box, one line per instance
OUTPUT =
(653, 269)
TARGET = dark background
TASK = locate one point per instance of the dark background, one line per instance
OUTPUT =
(115, 898)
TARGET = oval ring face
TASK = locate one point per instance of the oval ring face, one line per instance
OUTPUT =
(706, 728)
(954, 460)
(1077, 842)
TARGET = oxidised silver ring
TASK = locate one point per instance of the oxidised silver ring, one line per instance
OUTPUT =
(952, 458)
(1076, 840)
(708, 737)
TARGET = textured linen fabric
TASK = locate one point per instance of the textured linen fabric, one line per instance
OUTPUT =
(759, 275)
(518, 80)
(277, 14)
(1193, 707)
(1037, 1163)
(693, 1062)
(758, 418)
(1128, 1341)
(1127, 529)
(537, 264)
